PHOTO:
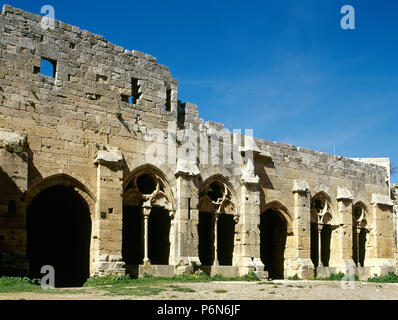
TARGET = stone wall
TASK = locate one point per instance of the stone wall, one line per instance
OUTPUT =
(80, 129)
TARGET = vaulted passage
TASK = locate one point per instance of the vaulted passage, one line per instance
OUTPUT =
(225, 239)
(206, 238)
(273, 233)
(58, 234)
(132, 235)
(158, 236)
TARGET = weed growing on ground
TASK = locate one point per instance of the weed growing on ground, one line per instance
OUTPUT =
(391, 277)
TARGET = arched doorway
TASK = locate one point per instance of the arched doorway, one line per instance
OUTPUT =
(321, 230)
(273, 234)
(217, 219)
(147, 214)
(58, 234)
(359, 232)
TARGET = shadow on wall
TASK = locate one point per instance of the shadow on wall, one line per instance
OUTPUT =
(10, 196)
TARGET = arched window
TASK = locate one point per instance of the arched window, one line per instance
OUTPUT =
(359, 231)
(217, 218)
(321, 230)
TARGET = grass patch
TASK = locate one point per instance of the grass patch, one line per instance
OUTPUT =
(271, 292)
(181, 289)
(220, 291)
(106, 280)
(151, 280)
(334, 277)
(295, 277)
(267, 283)
(16, 284)
(133, 291)
(391, 277)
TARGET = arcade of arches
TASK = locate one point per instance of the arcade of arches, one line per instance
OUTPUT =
(59, 229)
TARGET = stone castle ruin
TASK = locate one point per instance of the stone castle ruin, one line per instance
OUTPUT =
(104, 171)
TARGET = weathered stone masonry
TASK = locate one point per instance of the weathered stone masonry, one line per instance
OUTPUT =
(75, 145)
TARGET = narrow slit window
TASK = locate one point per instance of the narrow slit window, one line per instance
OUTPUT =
(48, 67)
(167, 106)
(135, 91)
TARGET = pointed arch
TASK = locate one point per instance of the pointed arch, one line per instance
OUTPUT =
(162, 197)
(218, 214)
(65, 180)
(57, 207)
(216, 194)
(360, 229)
(148, 215)
(282, 210)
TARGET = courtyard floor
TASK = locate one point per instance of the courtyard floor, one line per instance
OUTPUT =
(222, 290)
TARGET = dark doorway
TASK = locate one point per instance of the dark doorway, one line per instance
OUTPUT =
(158, 236)
(58, 234)
(132, 235)
(326, 235)
(359, 246)
(225, 239)
(362, 246)
(206, 238)
(273, 233)
(314, 244)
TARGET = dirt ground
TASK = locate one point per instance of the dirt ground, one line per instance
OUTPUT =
(221, 290)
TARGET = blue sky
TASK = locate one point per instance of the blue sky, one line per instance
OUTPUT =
(285, 69)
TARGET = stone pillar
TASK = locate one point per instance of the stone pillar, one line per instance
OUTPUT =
(342, 237)
(106, 244)
(320, 227)
(301, 264)
(146, 211)
(382, 249)
(185, 254)
(215, 226)
(247, 234)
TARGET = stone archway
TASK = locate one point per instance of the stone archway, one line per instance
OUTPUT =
(217, 219)
(147, 218)
(359, 234)
(321, 230)
(274, 230)
(58, 226)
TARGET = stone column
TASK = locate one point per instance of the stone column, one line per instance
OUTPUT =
(382, 253)
(184, 253)
(247, 246)
(215, 224)
(320, 227)
(301, 264)
(342, 238)
(106, 244)
(146, 211)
